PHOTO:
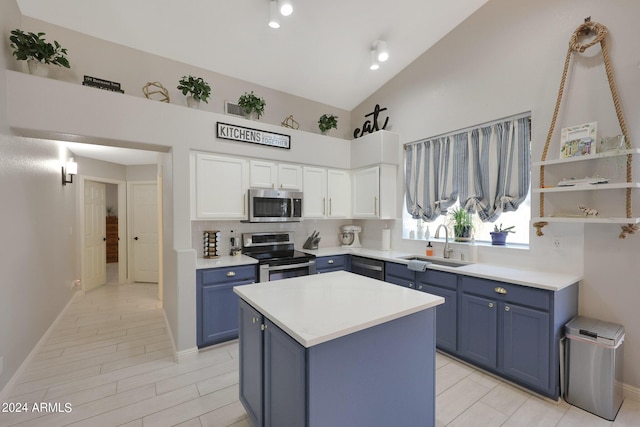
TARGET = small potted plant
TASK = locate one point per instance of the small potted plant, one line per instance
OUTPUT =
(327, 122)
(462, 224)
(198, 89)
(499, 235)
(251, 105)
(34, 49)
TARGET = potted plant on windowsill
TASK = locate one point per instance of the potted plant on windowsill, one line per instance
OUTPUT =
(252, 105)
(327, 122)
(34, 49)
(499, 235)
(198, 89)
(462, 224)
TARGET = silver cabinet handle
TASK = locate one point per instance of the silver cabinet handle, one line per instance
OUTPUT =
(500, 290)
(231, 273)
(507, 308)
(375, 206)
(330, 261)
(329, 206)
(324, 206)
(490, 305)
(244, 204)
(411, 285)
(420, 287)
(263, 327)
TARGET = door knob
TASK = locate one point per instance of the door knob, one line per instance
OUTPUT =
(104, 239)
(135, 238)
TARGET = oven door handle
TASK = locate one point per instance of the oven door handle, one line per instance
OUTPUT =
(267, 267)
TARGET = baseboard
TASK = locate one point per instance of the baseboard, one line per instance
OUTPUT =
(6, 390)
(173, 343)
(631, 392)
(186, 353)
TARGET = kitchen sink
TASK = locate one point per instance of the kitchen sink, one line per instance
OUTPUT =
(436, 261)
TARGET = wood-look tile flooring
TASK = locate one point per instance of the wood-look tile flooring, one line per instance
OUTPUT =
(109, 362)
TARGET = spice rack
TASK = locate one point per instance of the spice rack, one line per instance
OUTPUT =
(210, 241)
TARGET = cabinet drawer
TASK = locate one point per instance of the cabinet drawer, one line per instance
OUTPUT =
(399, 270)
(438, 278)
(523, 295)
(214, 276)
(337, 262)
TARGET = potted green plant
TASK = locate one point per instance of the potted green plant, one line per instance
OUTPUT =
(499, 235)
(34, 49)
(462, 224)
(251, 105)
(198, 89)
(327, 122)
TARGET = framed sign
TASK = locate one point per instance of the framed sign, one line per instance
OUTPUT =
(577, 141)
(254, 136)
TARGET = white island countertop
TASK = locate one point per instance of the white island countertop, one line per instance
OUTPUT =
(319, 308)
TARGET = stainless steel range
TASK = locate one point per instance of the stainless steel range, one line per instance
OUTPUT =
(277, 258)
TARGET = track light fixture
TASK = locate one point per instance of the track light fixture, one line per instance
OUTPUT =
(286, 7)
(273, 14)
(374, 60)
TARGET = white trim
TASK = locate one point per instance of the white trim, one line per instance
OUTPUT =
(631, 392)
(6, 391)
(173, 343)
(181, 355)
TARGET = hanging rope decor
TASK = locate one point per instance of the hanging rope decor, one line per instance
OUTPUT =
(576, 46)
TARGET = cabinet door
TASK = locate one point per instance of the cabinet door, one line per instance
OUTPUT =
(366, 193)
(525, 344)
(399, 274)
(289, 177)
(263, 174)
(446, 316)
(315, 192)
(284, 379)
(251, 367)
(478, 330)
(221, 187)
(338, 194)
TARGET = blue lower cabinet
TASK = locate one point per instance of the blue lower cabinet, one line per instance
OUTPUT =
(217, 304)
(478, 330)
(328, 264)
(446, 316)
(251, 363)
(399, 274)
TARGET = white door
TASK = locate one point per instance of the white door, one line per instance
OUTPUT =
(314, 182)
(339, 193)
(366, 193)
(144, 232)
(95, 237)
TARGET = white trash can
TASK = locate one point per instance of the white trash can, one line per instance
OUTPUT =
(593, 366)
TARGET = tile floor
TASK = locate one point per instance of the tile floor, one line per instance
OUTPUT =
(109, 363)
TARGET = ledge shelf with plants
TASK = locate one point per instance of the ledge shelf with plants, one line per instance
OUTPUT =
(599, 191)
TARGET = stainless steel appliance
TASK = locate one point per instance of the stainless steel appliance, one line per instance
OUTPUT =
(277, 258)
(593, 366)
(349, 236)
(274, 205)
(367, 267)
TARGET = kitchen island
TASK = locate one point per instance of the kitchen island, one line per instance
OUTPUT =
(337, 349)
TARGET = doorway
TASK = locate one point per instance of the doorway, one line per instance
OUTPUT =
(144, 232)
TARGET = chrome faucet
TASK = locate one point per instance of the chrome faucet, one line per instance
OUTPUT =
(447, 250)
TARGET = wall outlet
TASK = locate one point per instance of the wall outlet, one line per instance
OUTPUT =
(555, 242)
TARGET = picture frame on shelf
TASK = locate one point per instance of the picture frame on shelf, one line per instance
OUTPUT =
(578, 141)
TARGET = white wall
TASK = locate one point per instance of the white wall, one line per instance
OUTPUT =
(505, 59)
(133, 69)
(37, 257)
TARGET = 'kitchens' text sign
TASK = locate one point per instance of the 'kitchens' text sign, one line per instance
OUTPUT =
(255, 136)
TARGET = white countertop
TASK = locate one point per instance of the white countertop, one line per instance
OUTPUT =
(224, 261)
(319, 308)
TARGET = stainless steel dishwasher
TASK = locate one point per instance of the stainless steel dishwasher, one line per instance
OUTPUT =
(367, 267)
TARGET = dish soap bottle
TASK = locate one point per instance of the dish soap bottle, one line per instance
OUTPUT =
(429, 250)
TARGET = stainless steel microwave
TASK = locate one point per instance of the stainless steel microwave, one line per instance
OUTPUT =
(274, 205)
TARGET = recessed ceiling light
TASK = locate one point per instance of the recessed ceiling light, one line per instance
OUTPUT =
(273, 14)
(286, 8)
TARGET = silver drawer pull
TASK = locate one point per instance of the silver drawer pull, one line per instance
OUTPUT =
(231, 273)
(330, 261)
(490, 305)
(507, 308)
(500, 290)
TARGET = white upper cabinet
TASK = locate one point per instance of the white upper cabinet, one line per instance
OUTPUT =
(278, 176)
(221, 185)
(374, 192)
(326, 193)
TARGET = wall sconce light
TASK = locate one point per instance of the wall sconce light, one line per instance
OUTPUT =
(273, 14)
(286, 7)
(70, 169)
